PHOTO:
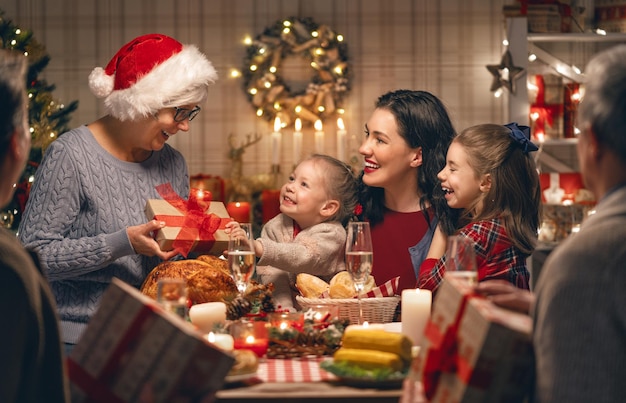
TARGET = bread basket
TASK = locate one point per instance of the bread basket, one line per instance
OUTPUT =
(375, 309)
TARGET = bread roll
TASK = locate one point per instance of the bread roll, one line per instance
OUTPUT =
(310, 286)
(246, 362)
(341, 285)
(208, 279)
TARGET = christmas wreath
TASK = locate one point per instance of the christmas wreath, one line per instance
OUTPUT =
(270, 93)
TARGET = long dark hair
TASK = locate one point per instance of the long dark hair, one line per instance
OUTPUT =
(422, 121)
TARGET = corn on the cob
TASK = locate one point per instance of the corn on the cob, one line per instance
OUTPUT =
(379, 340)
(369, 359)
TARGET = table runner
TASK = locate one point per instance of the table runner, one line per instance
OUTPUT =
(293, 370)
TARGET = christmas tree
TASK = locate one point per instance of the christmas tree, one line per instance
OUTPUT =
(48, 117)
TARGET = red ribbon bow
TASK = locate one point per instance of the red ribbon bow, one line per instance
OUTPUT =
(443, 355)
(195, 223)
(546, 112)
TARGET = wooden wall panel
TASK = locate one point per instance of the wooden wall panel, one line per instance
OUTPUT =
(439, 46)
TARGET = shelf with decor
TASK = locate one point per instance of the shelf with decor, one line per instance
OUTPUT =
(558, 59)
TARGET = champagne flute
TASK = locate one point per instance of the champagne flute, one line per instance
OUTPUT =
(460, 259)
(359, 257)
(241, 257)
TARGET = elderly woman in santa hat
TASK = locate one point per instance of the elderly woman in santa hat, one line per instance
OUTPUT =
(85, 214)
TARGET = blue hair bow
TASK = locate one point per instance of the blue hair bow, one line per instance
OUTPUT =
(521, 135)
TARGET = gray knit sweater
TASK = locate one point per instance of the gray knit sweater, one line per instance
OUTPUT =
(317, 250)
(80, 205)
(580, 311)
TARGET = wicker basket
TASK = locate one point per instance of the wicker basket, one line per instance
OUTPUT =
(375, 310)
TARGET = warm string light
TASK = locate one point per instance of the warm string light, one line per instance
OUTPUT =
(266, 89)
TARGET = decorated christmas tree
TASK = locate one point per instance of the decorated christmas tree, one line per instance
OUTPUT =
(48, 117)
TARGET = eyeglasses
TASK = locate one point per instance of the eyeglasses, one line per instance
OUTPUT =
(183, 114)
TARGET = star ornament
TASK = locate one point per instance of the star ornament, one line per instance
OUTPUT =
(504, 74)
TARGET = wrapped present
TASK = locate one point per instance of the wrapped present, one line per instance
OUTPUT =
(571, 100)
(196, 224)
(565, 204)
(546, 15)
(610, 15)
(132, 348)
(560, 187)
(474, 350)
(546, 108)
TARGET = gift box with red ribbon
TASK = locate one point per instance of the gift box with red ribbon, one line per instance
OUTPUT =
(134, 350)
(474, 350)
(546, 108)
(610, 15)
(196, 224)
(571, 100)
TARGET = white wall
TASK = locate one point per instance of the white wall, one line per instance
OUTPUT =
(439, 46)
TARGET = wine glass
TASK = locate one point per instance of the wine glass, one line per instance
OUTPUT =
(460, 259)
(241, 257)
(359, 257)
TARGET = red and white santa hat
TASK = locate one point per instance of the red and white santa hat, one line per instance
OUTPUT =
(149, 73)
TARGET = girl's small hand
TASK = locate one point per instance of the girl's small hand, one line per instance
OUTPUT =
(230, 226)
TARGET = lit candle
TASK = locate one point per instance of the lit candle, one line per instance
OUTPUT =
(221, 340)
(250, 336)
(239, 211)
(276, 138)
(319, 137)
(341, 140)
(206, 315)
(257, 345)
(415, 313)
(297, 141)
(366, 326)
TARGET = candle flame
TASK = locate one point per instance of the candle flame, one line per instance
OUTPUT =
(211, 337)
(298, 124)
(277, 124)
(340, 124)
(318, 125)
(250, 339)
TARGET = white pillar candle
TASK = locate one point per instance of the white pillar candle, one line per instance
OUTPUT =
(276, 139)
(297, 141)
(206, 315)
(341, 140)
(221, 340)
(319, 137)
(416, 305)
(366, 326)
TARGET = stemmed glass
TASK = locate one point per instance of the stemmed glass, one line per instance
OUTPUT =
(460, 259)
(359, 257)
(241, 258)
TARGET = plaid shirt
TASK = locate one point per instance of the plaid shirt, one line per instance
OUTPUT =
(496, 257)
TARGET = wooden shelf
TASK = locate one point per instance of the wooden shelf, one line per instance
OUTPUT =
(578, 37)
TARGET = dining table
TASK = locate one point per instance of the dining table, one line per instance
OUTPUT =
(300, 379)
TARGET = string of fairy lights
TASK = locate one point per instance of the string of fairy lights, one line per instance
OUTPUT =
(324, 50)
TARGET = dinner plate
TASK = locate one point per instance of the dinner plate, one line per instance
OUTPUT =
(364, 379)
(393, 327)
(239, 377)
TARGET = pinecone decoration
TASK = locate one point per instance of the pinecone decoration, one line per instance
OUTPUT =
(256, 300)
(238, 307)
(267, 302)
